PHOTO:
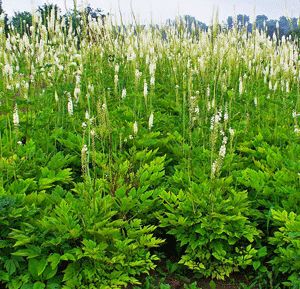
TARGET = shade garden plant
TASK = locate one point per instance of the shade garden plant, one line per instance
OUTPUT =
(129, 151)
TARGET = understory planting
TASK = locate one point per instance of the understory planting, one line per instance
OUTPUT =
(132, 153)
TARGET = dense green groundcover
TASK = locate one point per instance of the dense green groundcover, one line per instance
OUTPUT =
(131, 155)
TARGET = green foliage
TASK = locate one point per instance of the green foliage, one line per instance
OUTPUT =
(286, 242)
(51, 242)
(270, 179)
(212, 227)
(114, 138)
(136, 182)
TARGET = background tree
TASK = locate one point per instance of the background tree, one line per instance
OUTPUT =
(229, 22)
(271, 27)
(94, 13)
(260, 21)
(21, 21)
(284, 26)
(242, 20)
(78, 18)
(46, 10)
(190, 22)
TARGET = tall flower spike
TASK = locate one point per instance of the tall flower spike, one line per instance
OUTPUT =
(84, 165)
(241, 86)
(56, 96)
(135, 128)
(150, 122)
(77, 93)
(16, 119)
(145, 89)
(123, 96)
(70, 106)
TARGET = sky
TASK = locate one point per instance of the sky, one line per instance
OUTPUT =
(158, 11)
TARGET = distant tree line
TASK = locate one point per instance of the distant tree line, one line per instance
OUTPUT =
(21, 21)
(282, 27)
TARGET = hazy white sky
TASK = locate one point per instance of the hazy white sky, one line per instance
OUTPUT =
(160, 10)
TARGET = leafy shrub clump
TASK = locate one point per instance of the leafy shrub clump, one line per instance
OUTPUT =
(286, 242)
(63, 240)
(212, 227)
